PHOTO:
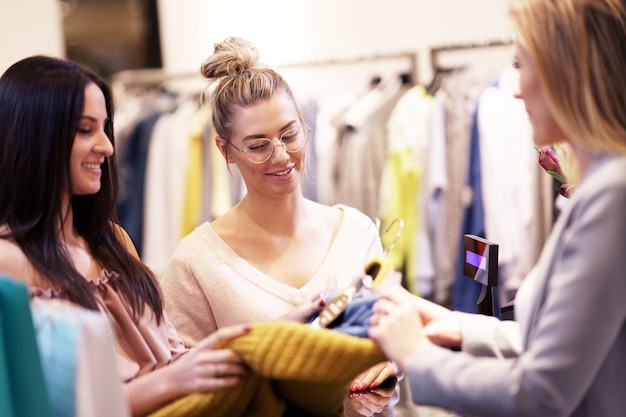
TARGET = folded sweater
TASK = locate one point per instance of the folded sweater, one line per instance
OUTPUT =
(290, 364)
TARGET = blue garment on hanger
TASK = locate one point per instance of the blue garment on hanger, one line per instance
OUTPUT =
(355, 320)
(465, 291)
(58, 340)
(132, 157)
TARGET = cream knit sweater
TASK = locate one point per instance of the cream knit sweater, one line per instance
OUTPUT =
(208, 286)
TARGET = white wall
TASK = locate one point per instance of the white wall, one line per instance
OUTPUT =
(29, 27)
(287, 31)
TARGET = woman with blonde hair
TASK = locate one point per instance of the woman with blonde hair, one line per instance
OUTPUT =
(565, 353)
(275, 253)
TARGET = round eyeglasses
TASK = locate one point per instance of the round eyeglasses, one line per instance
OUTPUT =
(260, 150)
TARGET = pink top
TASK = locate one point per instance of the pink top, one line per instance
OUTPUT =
(141, 346)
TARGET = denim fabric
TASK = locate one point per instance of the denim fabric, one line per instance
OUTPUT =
(355, 320)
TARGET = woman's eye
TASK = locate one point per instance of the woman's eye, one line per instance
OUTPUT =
(259, 146)
(290, 135)
(84, 131)
(515, 64)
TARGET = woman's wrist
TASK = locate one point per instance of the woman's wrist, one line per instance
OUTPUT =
(445, 332)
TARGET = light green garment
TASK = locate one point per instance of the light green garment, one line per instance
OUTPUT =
(22, 387)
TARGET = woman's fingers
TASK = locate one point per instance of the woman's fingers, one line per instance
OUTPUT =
(303, 312)
(367, 402)
(222, 336)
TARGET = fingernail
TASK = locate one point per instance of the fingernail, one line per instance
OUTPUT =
(354, 387)
(247, 328)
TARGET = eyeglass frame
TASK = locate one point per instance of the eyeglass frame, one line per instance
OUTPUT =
(306, 130)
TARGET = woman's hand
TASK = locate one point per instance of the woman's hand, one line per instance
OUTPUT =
(303, 312)
(371, 401)
(371, 391)
(373, 377)
(440, 324)
(400, 323)
(205, 368)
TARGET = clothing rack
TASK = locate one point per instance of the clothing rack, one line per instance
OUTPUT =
(148, 78)
(410, 56)
(436, 51)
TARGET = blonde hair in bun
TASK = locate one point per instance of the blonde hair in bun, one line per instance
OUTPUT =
(231, 58)
(238, 80)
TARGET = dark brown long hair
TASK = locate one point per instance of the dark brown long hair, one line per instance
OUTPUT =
(41, 102)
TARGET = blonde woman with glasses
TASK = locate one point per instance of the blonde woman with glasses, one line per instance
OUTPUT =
(276, 252)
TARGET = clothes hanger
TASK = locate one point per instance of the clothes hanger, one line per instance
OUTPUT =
(376, 272)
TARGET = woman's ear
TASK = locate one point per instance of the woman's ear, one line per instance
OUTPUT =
(222, 146)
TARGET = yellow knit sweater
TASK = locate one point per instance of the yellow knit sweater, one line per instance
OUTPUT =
(290, 363)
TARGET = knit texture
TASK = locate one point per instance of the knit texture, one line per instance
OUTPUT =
(290, 363)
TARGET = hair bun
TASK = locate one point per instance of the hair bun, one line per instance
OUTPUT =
(232, 57)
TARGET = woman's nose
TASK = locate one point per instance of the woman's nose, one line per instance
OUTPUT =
(104, 145)
(279, 151)
(517, 91)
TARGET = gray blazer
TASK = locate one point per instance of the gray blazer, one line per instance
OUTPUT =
(565, 355)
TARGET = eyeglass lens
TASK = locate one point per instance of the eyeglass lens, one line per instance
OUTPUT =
(260, 150)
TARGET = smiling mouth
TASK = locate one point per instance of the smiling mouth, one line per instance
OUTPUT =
(282, 173)
(92, 166)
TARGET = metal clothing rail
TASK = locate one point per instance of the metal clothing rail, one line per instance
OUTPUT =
(146, 78)
(436, 51)
(411, 57)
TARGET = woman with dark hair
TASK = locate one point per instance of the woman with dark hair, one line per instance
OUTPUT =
(58, 231)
